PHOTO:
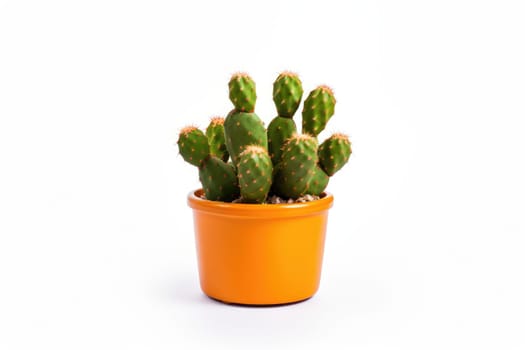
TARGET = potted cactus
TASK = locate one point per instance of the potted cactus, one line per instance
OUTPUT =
(260, 217)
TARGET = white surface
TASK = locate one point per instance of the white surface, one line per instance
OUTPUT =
(426, 240)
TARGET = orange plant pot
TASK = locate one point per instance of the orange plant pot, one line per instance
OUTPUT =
(259, 254)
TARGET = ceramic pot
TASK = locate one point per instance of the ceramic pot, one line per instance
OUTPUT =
(259, 254)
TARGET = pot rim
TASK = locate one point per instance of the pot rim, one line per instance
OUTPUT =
(260, 210)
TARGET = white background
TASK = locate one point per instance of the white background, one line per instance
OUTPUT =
(426, 240)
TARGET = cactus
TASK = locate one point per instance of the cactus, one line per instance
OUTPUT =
(254, 173)
(241, 130)
(242, 92)
(334, 153)
(317, 110)
(193, 145)
(287, 94)
(279, 130)
(216, 138)
(218, 179)
(277, 161)
(299, 160)
(242, 126)
(318, 182)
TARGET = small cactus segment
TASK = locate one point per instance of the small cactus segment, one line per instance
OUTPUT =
(334, 152)
(299, 159)
(241, 130)
(216, 138)
(242, 92)
(279, 130)
(218, 180)
(254, 173)
(193, 145)
(318, 182)
(287, 94)
(317, 110)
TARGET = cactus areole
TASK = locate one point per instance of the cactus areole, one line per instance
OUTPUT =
(240, 160)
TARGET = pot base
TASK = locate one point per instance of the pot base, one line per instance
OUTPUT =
(258, 305)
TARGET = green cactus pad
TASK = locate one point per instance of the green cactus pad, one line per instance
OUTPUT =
(334, 153)
(254, 173)
(287, 94)
(242, 92)
(241, 130)
(216, 138)
(279, 130)
(318, 182)
(299, 159)
(193, 145)
(317, 110)
(219, 180)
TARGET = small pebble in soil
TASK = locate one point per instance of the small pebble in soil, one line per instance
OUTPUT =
(273, 199)
(278, 200)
